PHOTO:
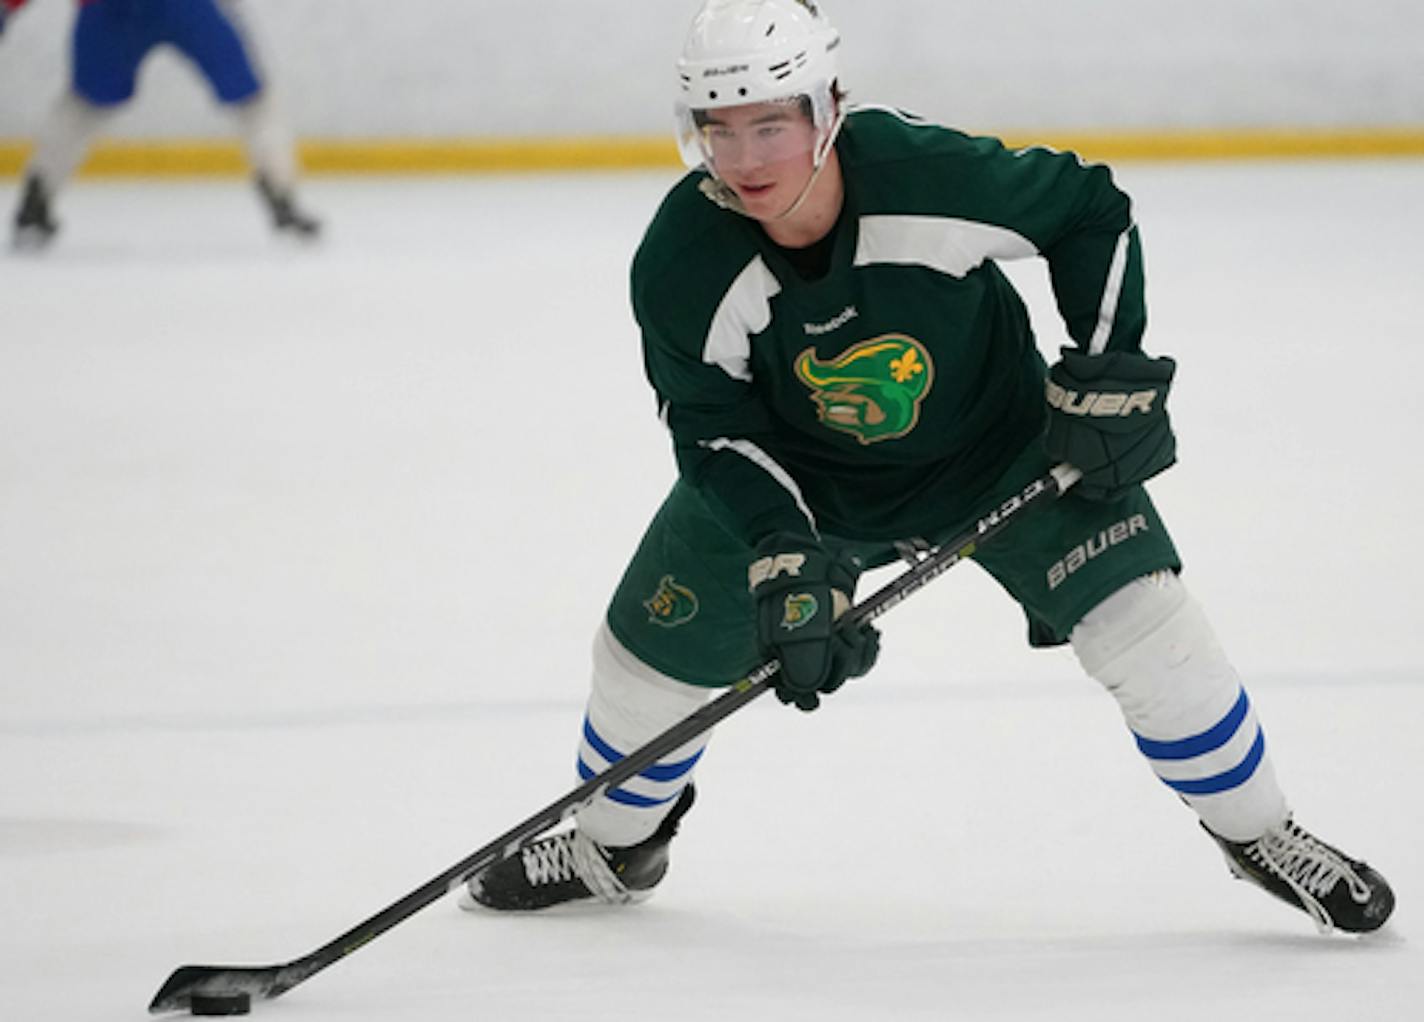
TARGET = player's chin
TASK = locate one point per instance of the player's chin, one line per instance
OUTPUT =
(760, 200)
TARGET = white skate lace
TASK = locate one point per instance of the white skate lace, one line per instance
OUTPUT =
(1309, 868)
(564, 857)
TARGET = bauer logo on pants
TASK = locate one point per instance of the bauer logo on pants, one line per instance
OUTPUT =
(672, 604)
(1117, 532)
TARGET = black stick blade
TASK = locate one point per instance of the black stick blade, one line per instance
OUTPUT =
(177, 992)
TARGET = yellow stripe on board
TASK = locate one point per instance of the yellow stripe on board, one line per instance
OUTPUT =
(1237, 145)
(488, 155)
(163, 158)
(159, 158)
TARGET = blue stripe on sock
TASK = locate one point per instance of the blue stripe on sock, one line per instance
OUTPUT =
(1235, 777)
(656, 772)
(626, 798)
(1197, 745)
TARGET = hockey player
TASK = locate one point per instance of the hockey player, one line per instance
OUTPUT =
(842, 366)
(111, 39)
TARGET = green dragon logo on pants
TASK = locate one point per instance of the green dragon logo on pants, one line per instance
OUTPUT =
(872, 390)
(672, 604)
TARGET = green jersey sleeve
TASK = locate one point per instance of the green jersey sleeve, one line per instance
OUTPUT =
(697, 360)
(1082, 225)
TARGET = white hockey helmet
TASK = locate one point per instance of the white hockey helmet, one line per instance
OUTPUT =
(757, 51)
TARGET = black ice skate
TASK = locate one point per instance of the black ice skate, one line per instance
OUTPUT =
(1338, 892)
(286, 217)
(571, 867)
(34, 224)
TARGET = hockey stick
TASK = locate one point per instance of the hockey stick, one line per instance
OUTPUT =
(223, 981)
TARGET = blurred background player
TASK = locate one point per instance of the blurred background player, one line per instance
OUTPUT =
(846, 373)
(111, 39)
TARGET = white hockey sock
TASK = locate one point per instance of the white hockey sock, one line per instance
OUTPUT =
(630, 704)
(1151, 646)
(64, 140)
(269, 144)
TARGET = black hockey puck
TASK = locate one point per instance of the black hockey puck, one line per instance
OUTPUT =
(220, 1004)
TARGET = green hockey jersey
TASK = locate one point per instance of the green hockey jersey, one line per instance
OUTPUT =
(883, 398)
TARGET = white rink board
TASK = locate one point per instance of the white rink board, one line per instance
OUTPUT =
(431, 68)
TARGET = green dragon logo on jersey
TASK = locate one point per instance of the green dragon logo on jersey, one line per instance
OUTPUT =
(800, 608)
(672, 604)
(871, 391)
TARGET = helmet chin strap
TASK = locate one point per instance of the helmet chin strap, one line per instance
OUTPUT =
(820, 166)
(725, 196)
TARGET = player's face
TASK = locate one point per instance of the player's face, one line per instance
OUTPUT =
(764, 151)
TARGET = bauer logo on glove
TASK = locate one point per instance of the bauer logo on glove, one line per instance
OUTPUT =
(763, 569)
(1100, 404)
(1107, 416)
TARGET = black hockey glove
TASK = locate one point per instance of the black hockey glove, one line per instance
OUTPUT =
(1107, 416)
(800, 589)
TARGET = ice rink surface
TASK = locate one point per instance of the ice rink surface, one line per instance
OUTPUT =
(301, 551)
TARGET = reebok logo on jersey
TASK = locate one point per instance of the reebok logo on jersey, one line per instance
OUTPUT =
(834, 323)
(1111, 404)
(1118, 532)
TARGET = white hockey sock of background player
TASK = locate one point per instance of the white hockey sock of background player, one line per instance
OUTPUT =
(841, 366)
(110, 41)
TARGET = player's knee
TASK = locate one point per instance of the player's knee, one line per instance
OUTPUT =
(1152, 647)
(1148, 634)
(633, 699)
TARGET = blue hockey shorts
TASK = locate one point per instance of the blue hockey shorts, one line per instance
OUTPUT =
(112, 37)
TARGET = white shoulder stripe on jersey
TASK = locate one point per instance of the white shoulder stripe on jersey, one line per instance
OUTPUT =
(744, 310)
(1112, 294)
(909, 117)
(768, 464)
(945, 244)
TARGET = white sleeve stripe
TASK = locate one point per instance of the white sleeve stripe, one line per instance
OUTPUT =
(745, 309)
(1112, 294)
(764, 461)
